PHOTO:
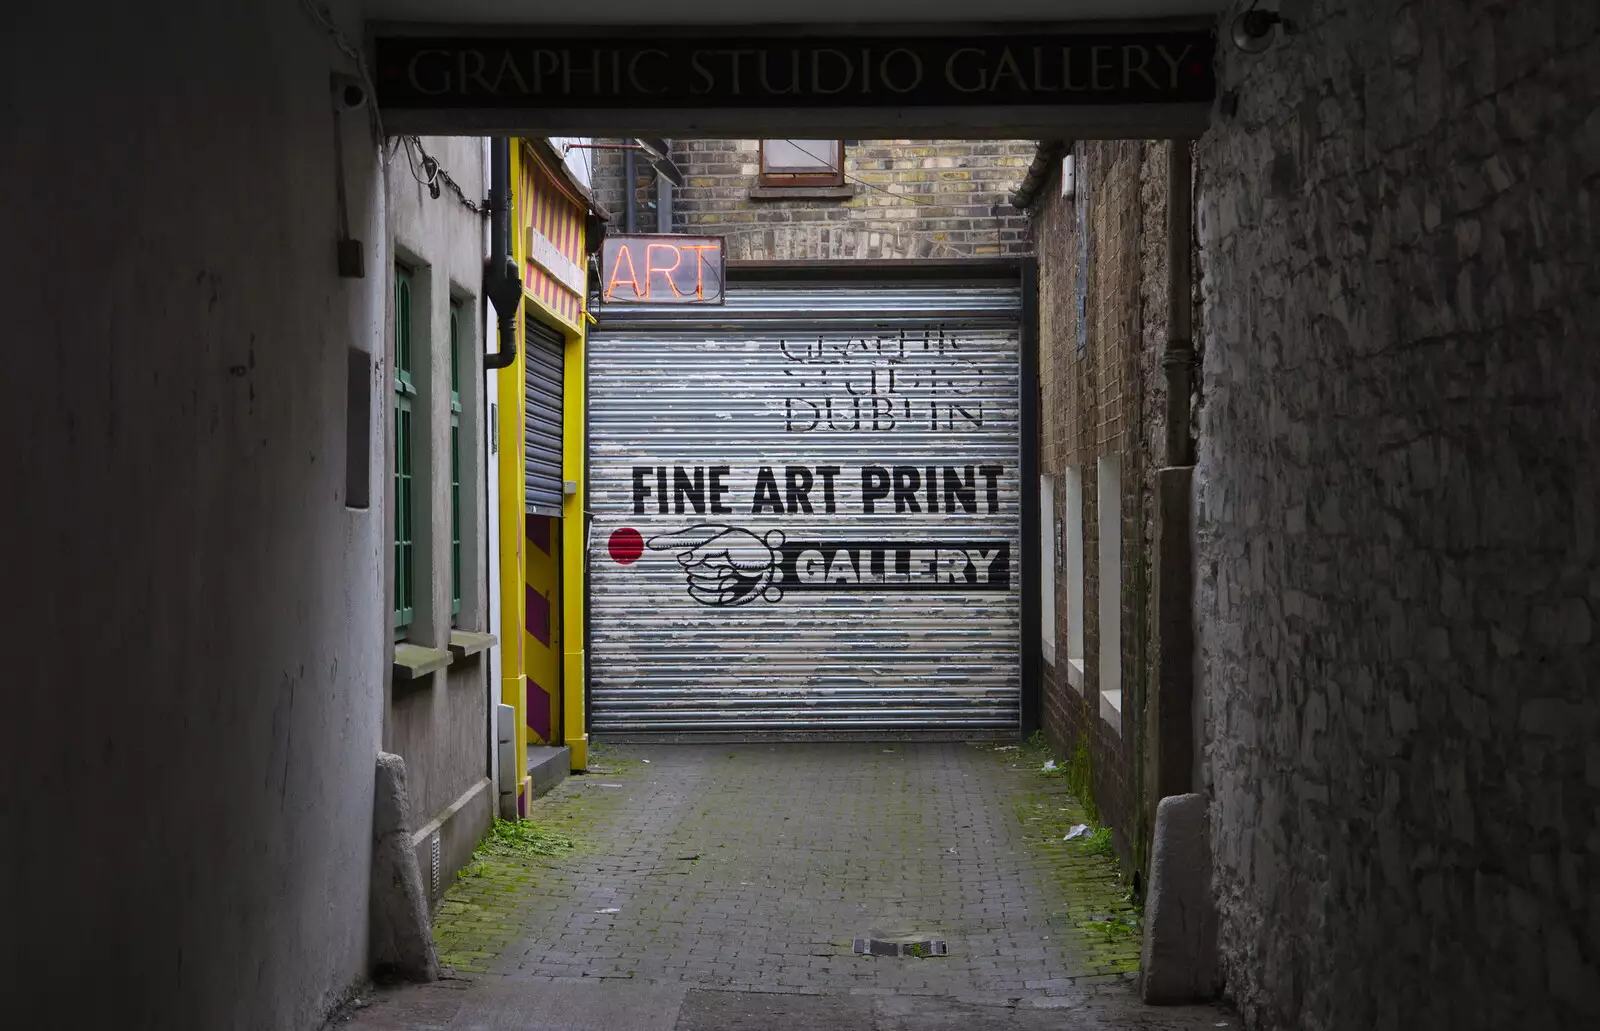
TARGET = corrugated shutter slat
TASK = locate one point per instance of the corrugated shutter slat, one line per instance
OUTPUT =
(542, 420)
(778, 636)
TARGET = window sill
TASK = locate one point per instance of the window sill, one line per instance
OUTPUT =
(413, 661)
(1075, 670)
(470, 642)
(1111, 709)
(803, 192)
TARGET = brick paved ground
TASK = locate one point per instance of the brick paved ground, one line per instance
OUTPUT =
(751, 869)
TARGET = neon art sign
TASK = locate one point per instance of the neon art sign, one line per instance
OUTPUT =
(662, 269)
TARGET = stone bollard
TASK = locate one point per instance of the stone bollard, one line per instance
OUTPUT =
(1178, 963)
(401, 937)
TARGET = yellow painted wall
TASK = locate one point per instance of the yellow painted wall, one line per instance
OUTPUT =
(513, 681)
(559, 574)
(543, 630)
(574, 550)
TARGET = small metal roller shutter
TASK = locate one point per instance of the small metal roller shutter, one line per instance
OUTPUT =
(542, 418)
(807, 513)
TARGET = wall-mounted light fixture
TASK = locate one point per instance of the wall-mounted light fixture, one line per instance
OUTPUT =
(1255, 30)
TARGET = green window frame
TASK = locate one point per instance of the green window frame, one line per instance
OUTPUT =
(456, 325)
(405, 392)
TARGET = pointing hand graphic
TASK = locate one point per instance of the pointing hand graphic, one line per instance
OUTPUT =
(726, 565)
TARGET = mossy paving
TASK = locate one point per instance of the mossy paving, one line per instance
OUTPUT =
(752, 867)
(1092, 895)
(488, 906)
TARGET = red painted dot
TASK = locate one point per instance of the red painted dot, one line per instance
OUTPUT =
(626, 546)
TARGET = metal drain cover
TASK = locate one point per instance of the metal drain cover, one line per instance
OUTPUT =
(919, 949)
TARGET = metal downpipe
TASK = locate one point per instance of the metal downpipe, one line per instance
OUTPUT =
(1178, 360)
(663, 202)
(501, 280)
(630, 179)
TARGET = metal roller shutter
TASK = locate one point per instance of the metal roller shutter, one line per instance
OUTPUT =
(807, 513)
(542, 420)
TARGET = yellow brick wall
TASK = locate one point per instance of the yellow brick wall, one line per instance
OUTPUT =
(901, 199)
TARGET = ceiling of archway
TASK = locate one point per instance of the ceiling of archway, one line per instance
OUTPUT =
(768, 12)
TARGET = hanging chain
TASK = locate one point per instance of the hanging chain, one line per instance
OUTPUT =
(432, 174)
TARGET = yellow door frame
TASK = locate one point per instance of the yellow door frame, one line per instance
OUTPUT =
(573, 529)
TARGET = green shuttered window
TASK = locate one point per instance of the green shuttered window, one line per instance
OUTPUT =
(405, 392)
(456, 327)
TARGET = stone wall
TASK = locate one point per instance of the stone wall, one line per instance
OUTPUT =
(1102, 394)
(1396, 498)
(938, 199)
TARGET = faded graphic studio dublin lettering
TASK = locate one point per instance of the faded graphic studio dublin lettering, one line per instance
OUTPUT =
(731, 565)
(881, 384)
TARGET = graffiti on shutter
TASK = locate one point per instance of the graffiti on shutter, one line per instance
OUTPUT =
(807, 514)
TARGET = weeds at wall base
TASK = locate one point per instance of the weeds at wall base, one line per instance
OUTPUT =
(515, 839)
(1077, 769)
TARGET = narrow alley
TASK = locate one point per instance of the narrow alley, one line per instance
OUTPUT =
(722, 887)
(1094, 530)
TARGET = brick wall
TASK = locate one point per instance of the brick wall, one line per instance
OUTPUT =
(1397, 499)
(1102, 395)
(938, 199)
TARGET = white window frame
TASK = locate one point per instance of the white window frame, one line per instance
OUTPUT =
(1047, 563)
(1073, 540)
(1108, 492)
(826, 171)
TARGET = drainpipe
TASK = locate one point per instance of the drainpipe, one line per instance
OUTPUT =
(500, 278)
(1179, 357)
(630, 182)
(663, 202)
(1174, 754)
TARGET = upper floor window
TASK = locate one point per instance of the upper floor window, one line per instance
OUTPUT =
(802, 162)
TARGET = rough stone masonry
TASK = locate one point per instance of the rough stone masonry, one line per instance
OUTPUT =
(1397, 508)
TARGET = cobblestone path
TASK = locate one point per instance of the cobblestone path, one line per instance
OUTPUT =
(703, 870)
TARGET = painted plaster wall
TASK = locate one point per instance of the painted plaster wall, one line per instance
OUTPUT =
(489, 383)
(188, 748)
(437, 723)
(1396, 498)
(578, 158)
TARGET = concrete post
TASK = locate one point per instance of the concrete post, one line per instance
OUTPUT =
(1178, 963)
(401, 936)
